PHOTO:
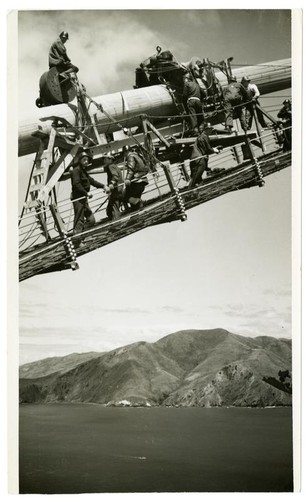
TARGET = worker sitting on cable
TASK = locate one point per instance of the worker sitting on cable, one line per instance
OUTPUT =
(253, 103)
(199, 156)
(285, 118)
(81, 182)
(234, 97)
(136, 178)
(114, 187)
(58, 56)
(192, 98)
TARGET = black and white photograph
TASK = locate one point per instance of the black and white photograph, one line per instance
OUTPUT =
(155, 171)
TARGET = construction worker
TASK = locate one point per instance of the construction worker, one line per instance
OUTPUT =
(194, 65)
(285, 119)
(253, 103)
(192, 98)
(199, 156)
(58, 56)
(234, 97)
(136, 178)
(114, 187)
(81, 182)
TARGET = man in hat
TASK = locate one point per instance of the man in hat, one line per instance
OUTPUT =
(253, 103)
(136, 178)
(81, 182)
(202, 148)
(234, 97)
(58, 56)
(114, 187)
(285, 118)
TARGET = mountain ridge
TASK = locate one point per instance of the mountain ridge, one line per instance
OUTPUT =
(185, 368)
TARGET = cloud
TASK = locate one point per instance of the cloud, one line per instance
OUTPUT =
(30, 310)
(284, 291)
(256, 318)
(107, 54)
(251, 312)
(174, 309)
(212, 19)
(128, 310)
(38, 343)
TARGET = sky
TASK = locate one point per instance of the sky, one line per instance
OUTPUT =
(228, 266)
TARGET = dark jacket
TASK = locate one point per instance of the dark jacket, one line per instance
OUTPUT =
(81, 182)
(285, 115)
(136, 168)
(192, 89)
(235, 91)
(201, 146)
(114, 177)
(58, 54)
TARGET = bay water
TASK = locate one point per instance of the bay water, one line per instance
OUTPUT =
(89, 448)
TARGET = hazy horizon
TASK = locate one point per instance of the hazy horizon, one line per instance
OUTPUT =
(159, 338)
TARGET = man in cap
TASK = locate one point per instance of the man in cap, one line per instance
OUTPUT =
(58, 56)
(202, 148)
(136, 178)
(234, 97)
(81, 182)
(285, 118)
(114, 187)
(253, 103)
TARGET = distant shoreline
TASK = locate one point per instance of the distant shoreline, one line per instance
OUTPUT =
(105, 405)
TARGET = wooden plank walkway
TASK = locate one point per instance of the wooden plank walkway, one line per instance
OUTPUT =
(50, 257)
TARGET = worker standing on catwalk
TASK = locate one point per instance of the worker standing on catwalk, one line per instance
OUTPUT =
(192, 98)
(114, 187)
(234, 97)
(136, 178)
(202, 148)
(81, 182)
(285, 118)
(253, 103)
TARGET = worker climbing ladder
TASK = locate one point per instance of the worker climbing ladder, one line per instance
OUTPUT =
(56, 152)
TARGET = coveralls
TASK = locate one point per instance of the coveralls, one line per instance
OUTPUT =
(58, 57)
(253, 94)
(285, 115)
(192, 95)
(81, 182)
(115, 183)
(136, 174)
(234, 95)
(201, 149)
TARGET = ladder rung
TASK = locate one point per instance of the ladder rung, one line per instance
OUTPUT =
(30, 204)
(35, 187)
(39, 168)
(45, 156)
(36, 178)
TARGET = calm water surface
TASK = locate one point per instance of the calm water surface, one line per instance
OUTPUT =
(82, 448)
